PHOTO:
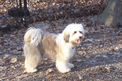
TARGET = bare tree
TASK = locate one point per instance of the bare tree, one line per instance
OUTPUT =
(112, 15)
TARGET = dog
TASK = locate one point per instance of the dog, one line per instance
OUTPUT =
(59, 47)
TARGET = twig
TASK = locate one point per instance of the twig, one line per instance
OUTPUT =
(64, 19)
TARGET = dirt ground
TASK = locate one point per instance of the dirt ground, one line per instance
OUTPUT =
(98, 58)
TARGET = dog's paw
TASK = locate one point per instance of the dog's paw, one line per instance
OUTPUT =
(64, 70)
(31, 70)
(70, 65)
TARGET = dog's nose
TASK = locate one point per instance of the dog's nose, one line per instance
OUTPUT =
(80, 37)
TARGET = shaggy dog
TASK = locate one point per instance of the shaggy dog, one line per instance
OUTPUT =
(59, 47)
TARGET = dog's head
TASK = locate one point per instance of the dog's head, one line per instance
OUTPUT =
(73, 33)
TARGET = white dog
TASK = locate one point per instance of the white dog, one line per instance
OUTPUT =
(59, 47)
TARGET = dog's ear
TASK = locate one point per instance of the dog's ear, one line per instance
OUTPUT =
(66, 36)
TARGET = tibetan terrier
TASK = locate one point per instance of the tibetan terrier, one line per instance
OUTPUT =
(59, 47)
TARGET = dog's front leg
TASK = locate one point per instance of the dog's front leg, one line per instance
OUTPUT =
(62, 66)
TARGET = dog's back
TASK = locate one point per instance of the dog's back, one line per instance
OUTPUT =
(48, 46)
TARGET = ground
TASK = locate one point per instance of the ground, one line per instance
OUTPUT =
(98, 58)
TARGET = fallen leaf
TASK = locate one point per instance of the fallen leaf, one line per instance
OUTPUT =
(120, 63)
(83, 48)
(13, 67)
(49, 76)
(112, 28)
(2, 68)
(2, 74)
(49, 71)
(84, 52)
(80, 77)
(5, 59)
(13, 60)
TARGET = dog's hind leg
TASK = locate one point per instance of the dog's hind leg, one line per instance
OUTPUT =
(32, 57)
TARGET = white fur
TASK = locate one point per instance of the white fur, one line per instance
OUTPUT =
(63, 47)
(63, 64)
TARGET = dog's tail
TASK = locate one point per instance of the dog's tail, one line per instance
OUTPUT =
(33, 36)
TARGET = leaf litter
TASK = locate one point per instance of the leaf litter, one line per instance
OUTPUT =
(98, 57)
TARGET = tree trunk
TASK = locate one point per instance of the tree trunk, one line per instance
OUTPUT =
(112, 15)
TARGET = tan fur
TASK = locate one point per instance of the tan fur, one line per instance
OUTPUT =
(49, 42)
(66, 36)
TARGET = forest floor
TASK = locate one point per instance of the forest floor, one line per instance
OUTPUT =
(97, 58)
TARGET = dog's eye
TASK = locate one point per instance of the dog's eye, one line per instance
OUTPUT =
(81, 32)
(75, 32)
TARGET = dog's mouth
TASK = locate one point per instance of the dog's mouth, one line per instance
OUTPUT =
(78, 41)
